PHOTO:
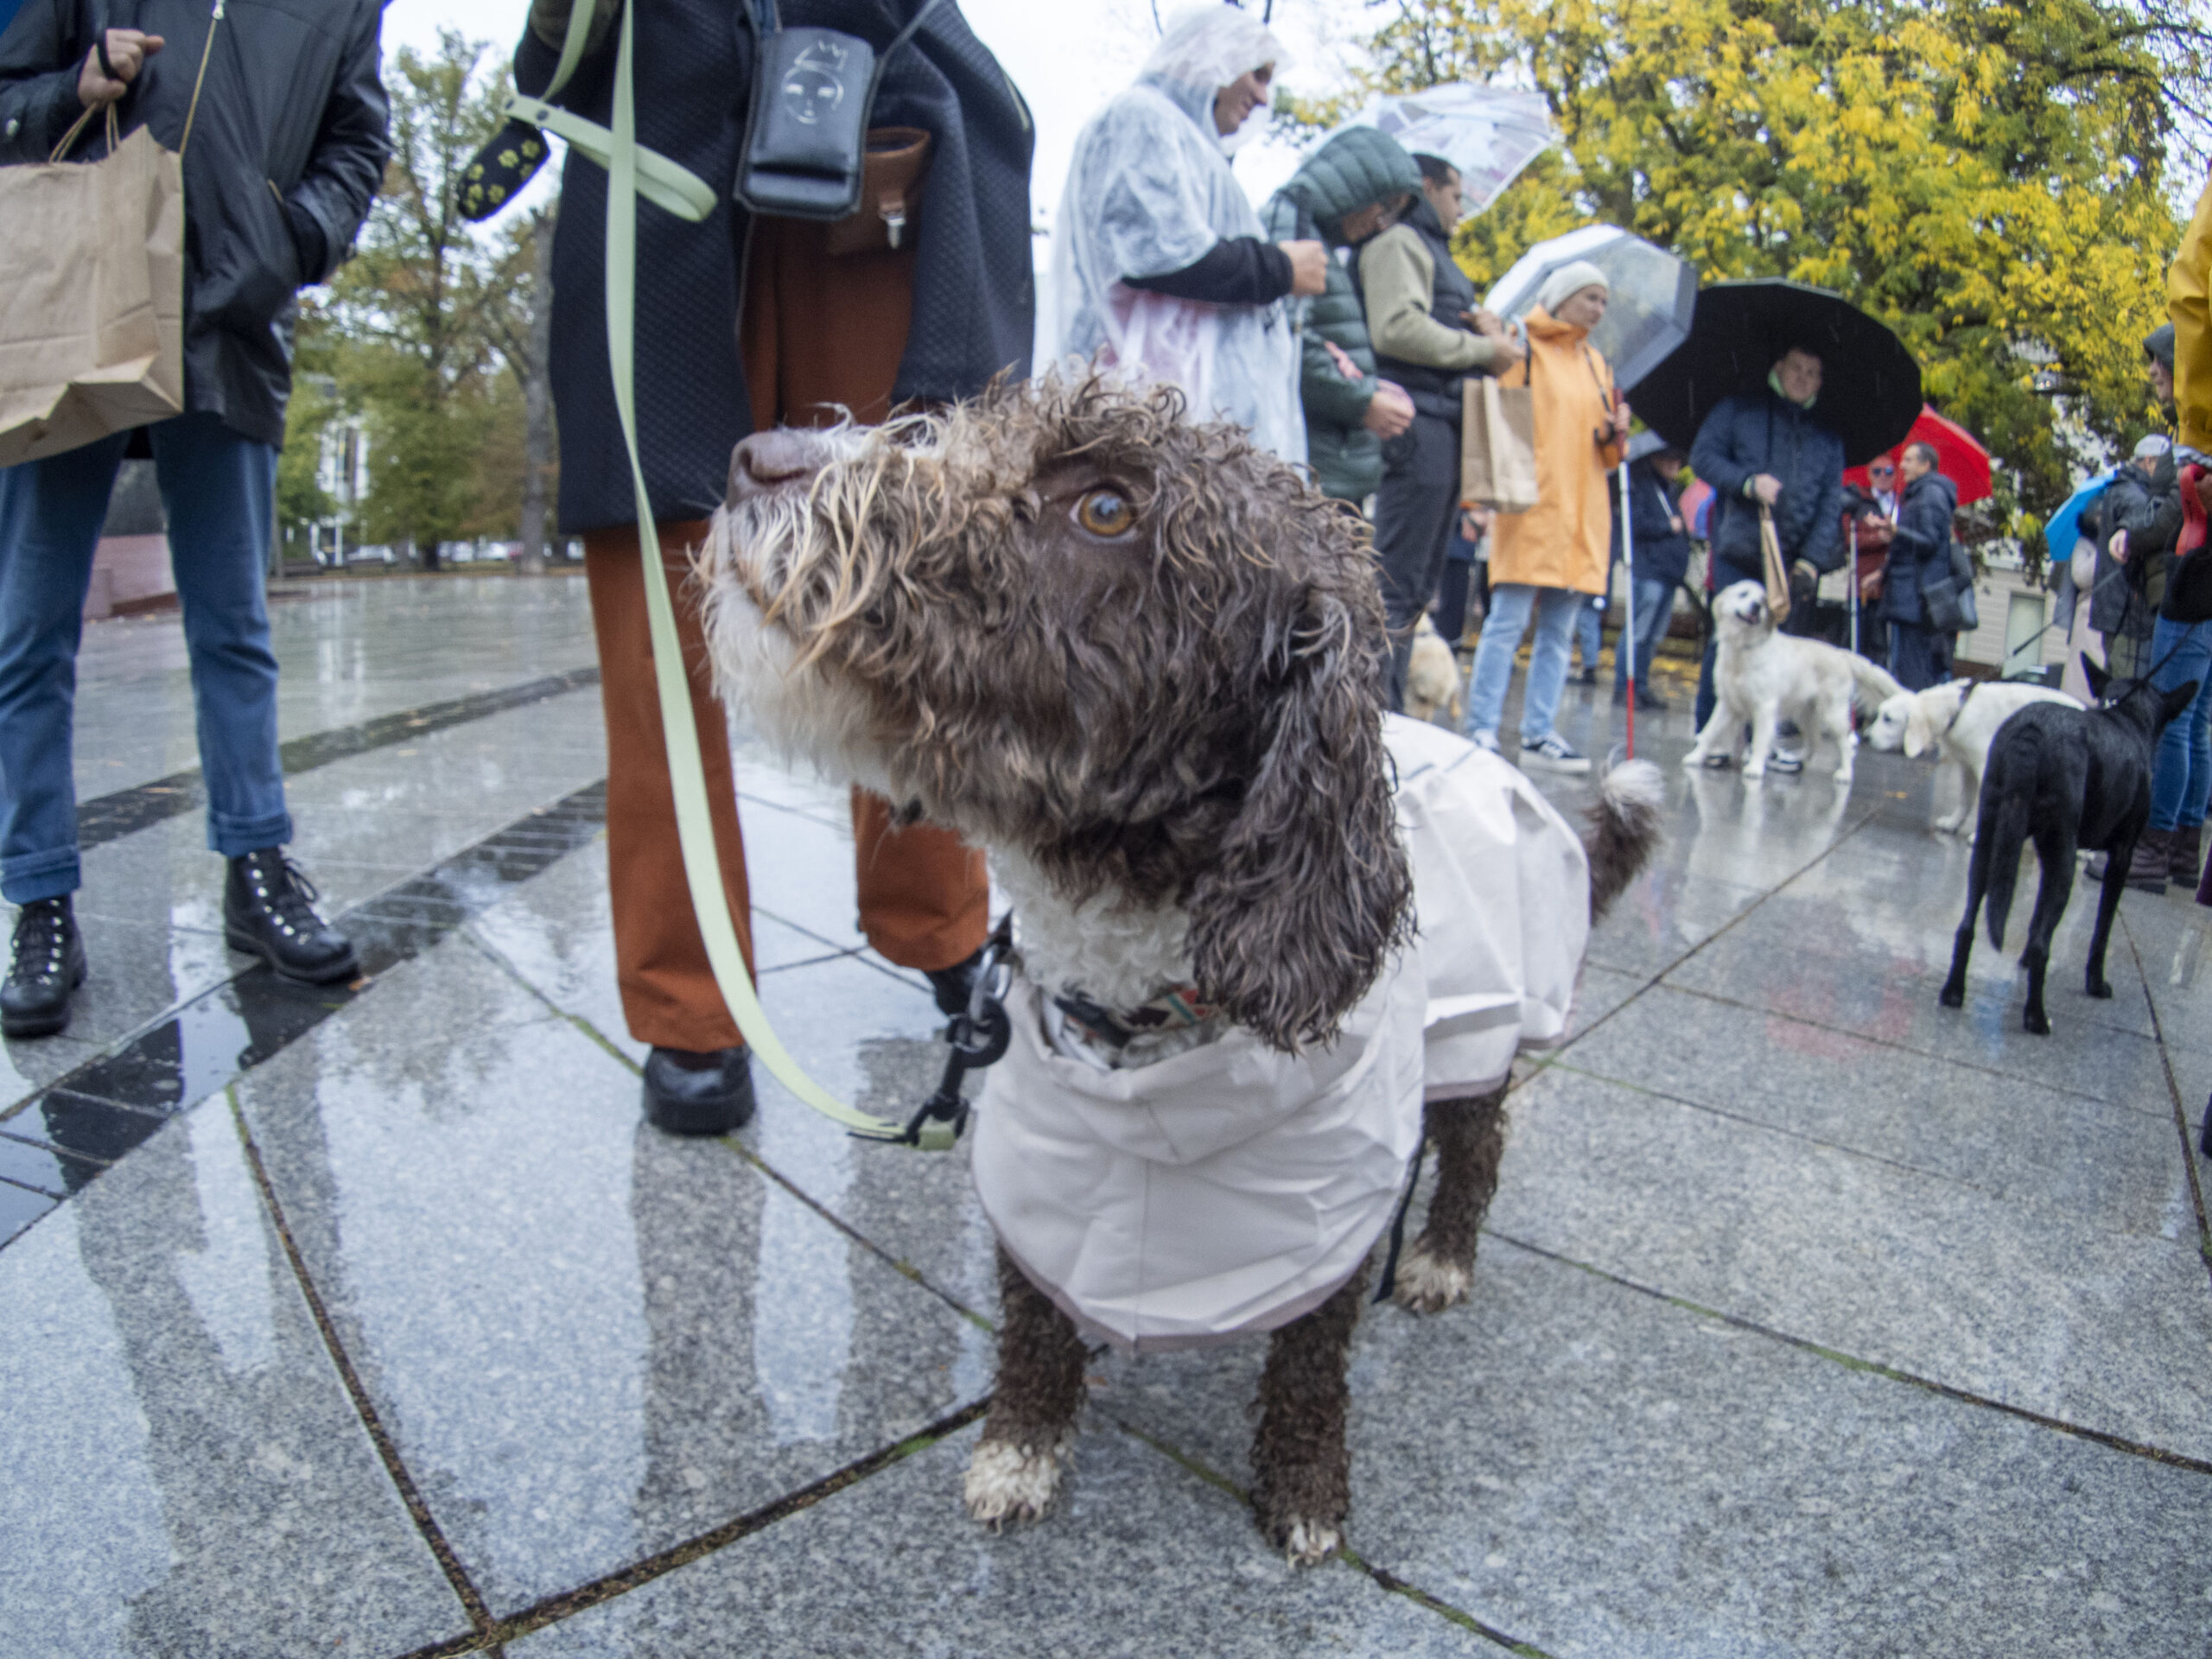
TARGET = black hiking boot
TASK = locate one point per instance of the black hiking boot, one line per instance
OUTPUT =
(49, 964)
(269, 911)
(709, 1093)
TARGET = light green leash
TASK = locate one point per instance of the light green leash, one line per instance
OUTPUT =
(631, 172)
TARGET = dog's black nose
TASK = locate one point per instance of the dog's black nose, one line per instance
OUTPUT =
(767, 460)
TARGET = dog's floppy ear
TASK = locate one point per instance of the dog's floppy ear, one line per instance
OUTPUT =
(1310, 893)
(1919, 730)
(2097, 677)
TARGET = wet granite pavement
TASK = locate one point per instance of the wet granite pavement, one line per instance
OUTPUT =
(1812, 1318)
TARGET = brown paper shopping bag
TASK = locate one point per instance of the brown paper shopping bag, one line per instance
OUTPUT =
(1498, 445)
(1775, 569)
(91, 333)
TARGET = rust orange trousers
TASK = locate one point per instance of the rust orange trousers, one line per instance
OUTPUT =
(817, 333)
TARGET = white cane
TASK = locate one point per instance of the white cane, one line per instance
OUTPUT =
(1854, 587)
(1626, 647)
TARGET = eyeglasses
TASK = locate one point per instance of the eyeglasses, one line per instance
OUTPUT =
(1880, 472)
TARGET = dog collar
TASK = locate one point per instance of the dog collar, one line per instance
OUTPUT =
(1175, 1009)
(1958, 713)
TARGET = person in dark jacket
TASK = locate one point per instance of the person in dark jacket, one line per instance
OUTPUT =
(1429, 335)
(1660, 547)
(280, 165)
(1353, 188)
(1765, 449)
(2134, 524)
(932, 320)
(1918, 572)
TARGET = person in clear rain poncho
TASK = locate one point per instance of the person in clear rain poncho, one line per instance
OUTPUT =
(1160, 269)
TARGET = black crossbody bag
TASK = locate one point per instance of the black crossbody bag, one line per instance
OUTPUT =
(806, 134)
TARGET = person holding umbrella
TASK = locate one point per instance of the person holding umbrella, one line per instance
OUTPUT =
(1548, 560)
(1764, 449)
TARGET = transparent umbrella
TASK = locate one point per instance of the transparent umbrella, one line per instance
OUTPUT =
(1489, 133)
(1647, 314)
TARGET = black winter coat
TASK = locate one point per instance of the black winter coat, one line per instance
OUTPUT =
(2148, 510)
(1755, 432)
(287, 152)
(974, 304)
(1920, 552)
(1662, 552)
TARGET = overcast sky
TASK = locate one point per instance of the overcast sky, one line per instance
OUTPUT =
(1067, 57)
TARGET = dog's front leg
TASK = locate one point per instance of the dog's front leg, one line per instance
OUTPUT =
(2116, 868)
(1016, 1470)
(1710, 741)
(1970, 789)
(1301, 1469)
(1438, 1265)
(1764, 719)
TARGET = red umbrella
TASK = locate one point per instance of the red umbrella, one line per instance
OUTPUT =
(1960, 456)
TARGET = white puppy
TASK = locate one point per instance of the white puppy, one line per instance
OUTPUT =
(1433, 677)
(1765, 677)
(1959, 721)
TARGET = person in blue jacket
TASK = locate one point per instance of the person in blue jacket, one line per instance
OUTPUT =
(1660, 550)
(1765, 449)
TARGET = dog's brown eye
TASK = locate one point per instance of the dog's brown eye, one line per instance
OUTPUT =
(1105, 512)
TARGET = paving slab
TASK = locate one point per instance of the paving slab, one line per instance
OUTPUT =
(588, 1340)
(186, 1474)
(2019, 1303)
(2109, 1165)
(1142, 1559)
(1602, 1473)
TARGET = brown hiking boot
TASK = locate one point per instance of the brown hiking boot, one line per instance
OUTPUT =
(2153, 857)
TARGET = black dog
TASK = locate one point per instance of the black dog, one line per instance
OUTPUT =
(2066, 778)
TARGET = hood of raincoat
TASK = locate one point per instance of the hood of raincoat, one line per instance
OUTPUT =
(1231, 1188)
(1356, 169)
(1150, 191)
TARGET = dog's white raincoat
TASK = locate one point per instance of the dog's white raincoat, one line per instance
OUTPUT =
(1231, 1188)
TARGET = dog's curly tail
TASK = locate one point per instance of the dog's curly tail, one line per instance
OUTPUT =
(1624, 829)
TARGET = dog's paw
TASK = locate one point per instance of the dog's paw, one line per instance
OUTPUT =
(1755, 769)
(1428, 1284)
(1952, 997)
(1950, 822)
(1693, 760)
(2099, 988)
(1006, 1482)
(1308, 1543)
(1843, 774)
(2035, 1020)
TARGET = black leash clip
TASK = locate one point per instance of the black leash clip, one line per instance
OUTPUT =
(978, 1037)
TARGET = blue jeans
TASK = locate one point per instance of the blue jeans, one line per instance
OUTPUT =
(1510, 605)
(1587, 637)
(219, 489)
(1650, 604)
(2181, 777)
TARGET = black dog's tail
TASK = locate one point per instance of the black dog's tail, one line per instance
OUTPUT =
(2003, 832)
(1624, 829)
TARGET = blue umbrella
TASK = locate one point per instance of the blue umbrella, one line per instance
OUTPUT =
(2065, 529)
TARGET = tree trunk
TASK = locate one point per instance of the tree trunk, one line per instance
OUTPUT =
(537, 398)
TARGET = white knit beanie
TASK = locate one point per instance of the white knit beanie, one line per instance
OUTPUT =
(1570, 279)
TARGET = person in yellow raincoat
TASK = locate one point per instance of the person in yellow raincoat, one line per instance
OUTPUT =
(1550, 560)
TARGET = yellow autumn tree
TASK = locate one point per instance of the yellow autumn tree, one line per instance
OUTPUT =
(1988, 179)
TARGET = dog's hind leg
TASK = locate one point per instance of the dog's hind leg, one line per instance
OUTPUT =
(1438, 1265)
(1301, 1467)
(2117, 865)
(1953, 994)
(1015, 1470)
(2055, 853)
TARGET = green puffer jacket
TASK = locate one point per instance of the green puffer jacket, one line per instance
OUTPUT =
(1355, 169)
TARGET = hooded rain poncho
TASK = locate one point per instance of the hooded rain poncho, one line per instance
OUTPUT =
(1150, 191)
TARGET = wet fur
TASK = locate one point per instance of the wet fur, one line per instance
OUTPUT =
(2065, 778)
(1172, 745)
(1958, 720)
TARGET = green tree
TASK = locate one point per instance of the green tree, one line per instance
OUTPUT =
(416, 317)
(1989, 179)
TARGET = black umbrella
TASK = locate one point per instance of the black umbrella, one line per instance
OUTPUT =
(1870, 393)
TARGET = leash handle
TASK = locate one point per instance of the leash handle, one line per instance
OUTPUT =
(694, 822)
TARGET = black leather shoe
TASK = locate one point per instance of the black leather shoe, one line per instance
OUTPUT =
(698, 1094)
(268, 910)
(49, 964)
(952, 984)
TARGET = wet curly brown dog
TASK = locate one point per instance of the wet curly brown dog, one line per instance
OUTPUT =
(1137, 661)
